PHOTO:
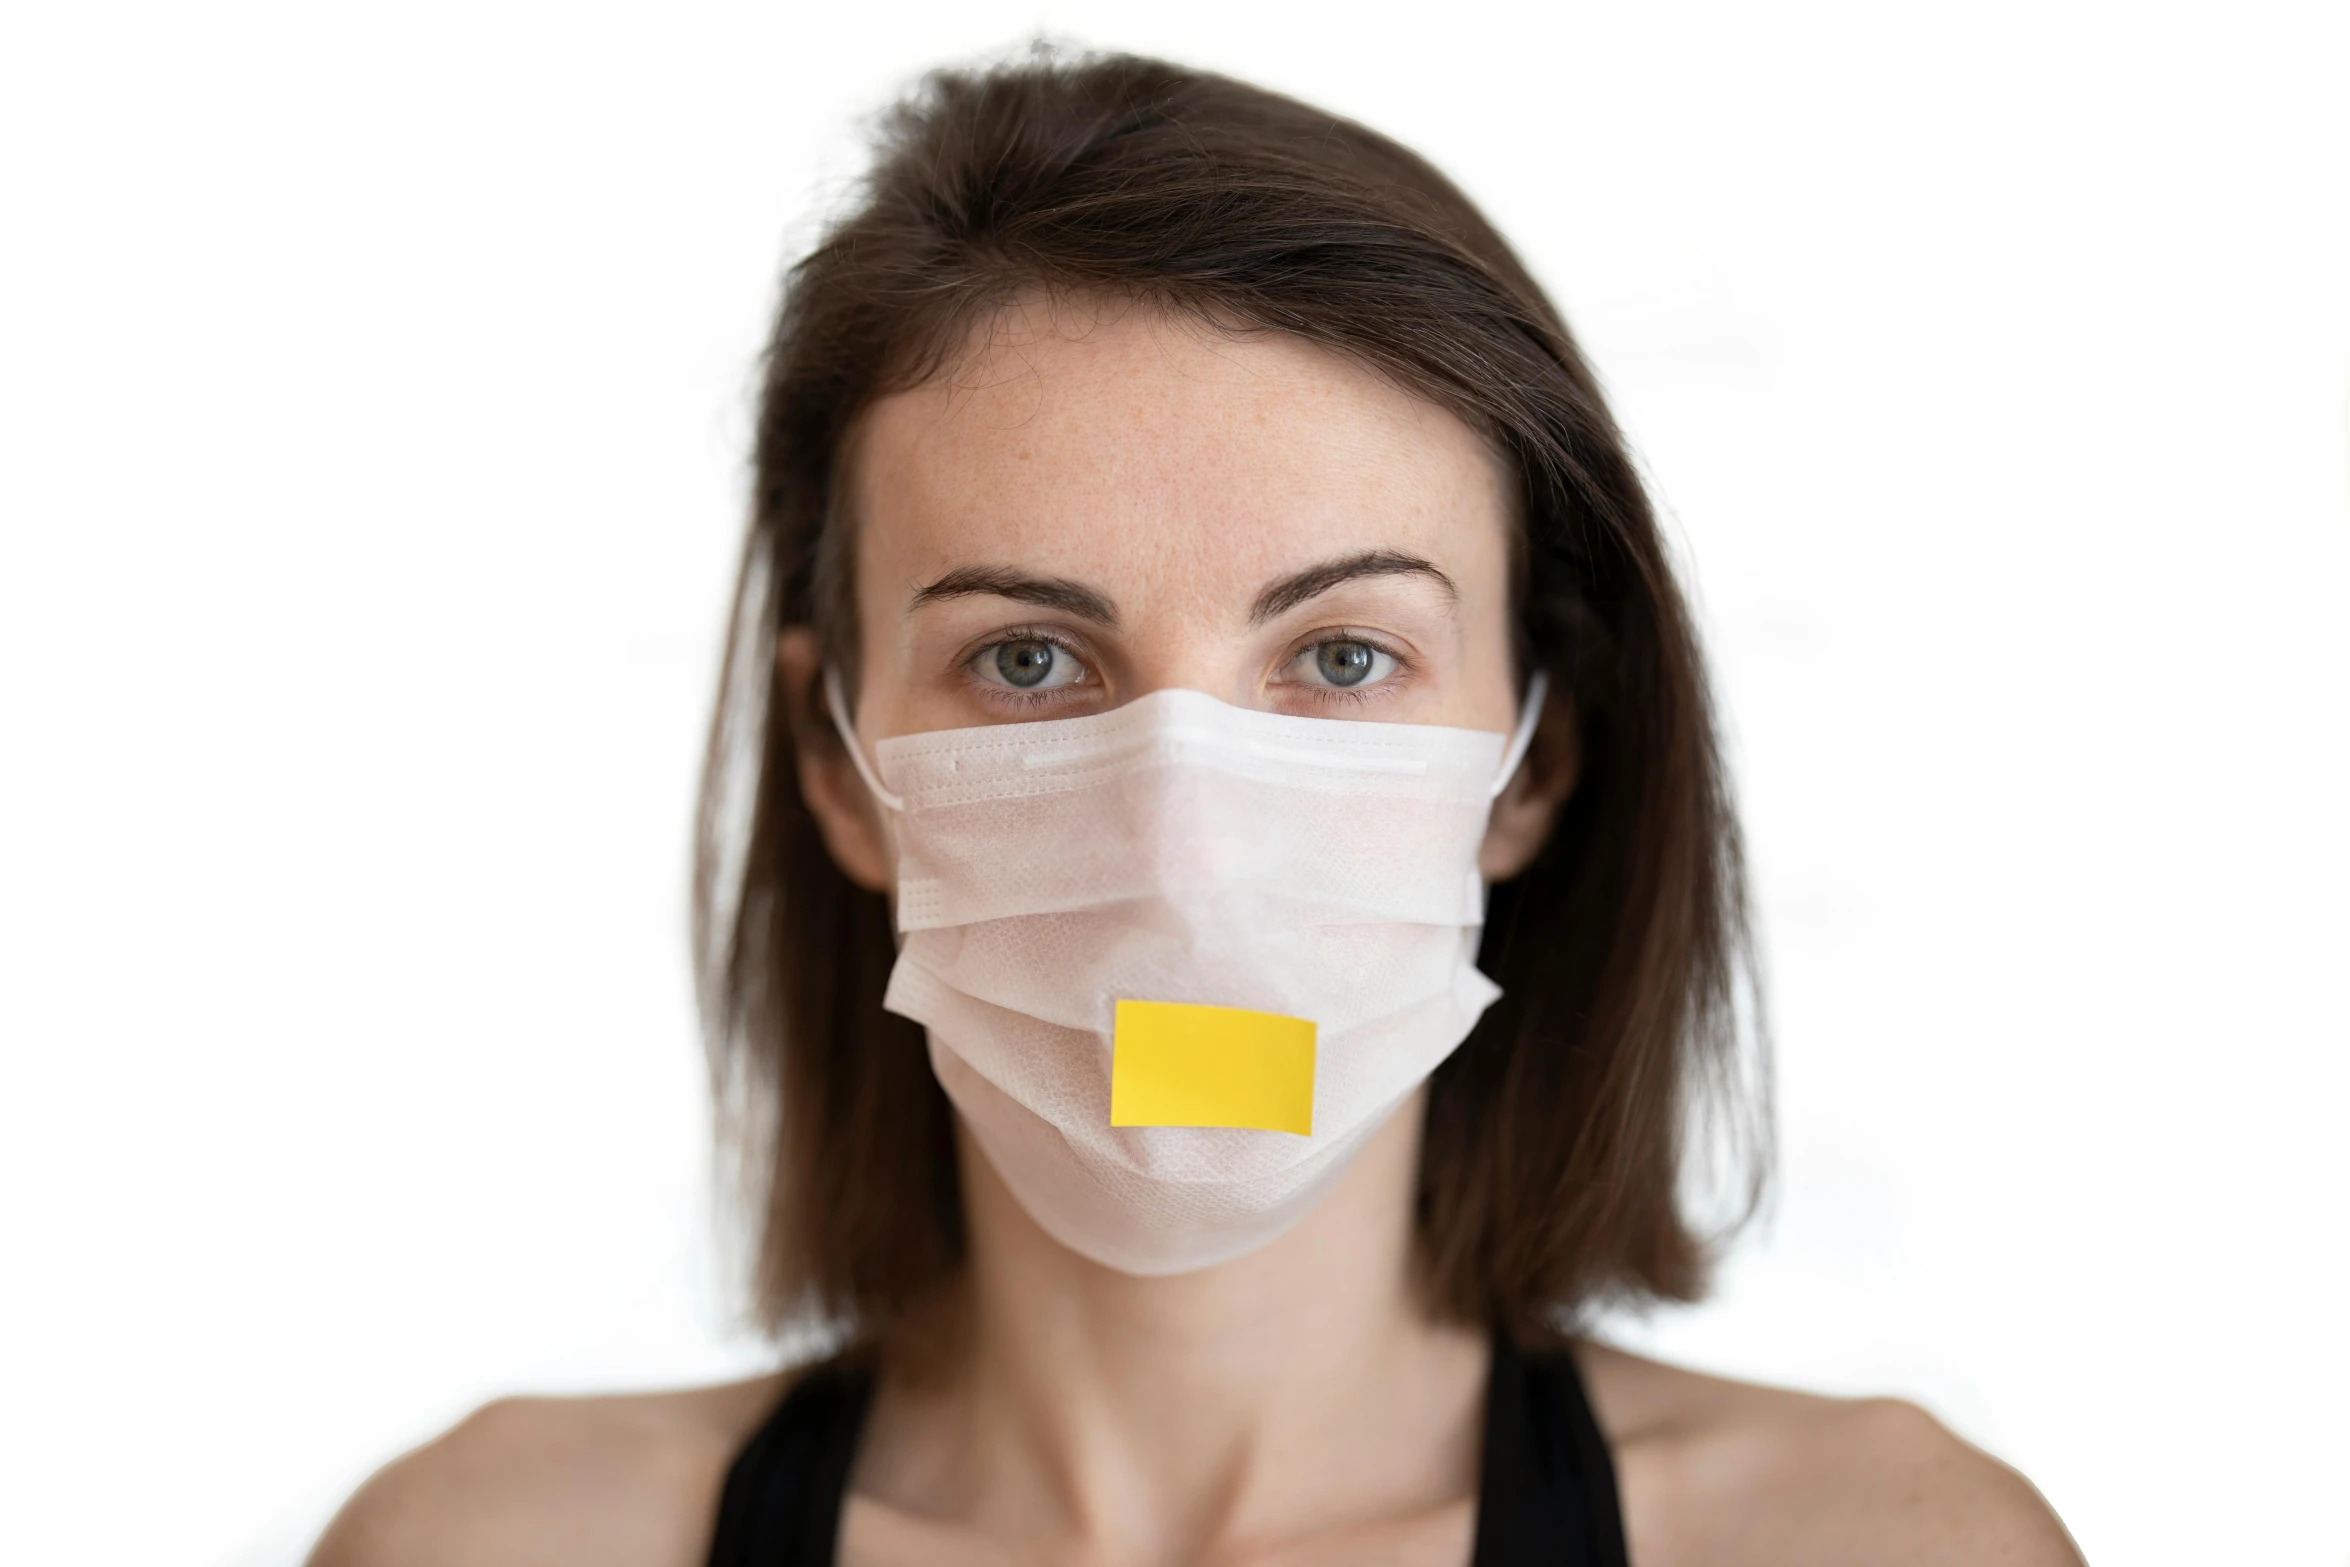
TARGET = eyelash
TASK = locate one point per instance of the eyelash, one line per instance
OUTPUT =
(1362, 693)
(1013, 694)
(1403, 664)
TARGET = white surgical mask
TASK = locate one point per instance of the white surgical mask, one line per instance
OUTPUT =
(1181, 911)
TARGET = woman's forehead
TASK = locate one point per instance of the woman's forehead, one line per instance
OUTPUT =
(1113, 440)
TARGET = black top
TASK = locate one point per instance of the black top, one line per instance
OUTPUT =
(1547, 1493)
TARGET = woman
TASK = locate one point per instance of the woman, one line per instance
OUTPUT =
(1199, 635)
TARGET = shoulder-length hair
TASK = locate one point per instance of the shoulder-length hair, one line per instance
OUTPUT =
(1551, 1171)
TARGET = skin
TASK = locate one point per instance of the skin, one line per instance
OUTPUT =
(1134, 491)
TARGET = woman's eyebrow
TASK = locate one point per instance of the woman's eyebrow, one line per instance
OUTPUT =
(1295, 589)
(1071, 598)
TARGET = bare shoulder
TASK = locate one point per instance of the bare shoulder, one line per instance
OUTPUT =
(1718, 1471)
(580, 1481)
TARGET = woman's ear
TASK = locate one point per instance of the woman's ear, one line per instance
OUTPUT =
(845, 810)
(1529, 806)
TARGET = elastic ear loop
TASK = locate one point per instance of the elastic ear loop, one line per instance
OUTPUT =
(848, 737)
(1521, 738)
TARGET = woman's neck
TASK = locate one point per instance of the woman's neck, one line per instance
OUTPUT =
(1297, 1389)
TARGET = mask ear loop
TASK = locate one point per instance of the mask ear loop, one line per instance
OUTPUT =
(1521, 738)
(848, 737)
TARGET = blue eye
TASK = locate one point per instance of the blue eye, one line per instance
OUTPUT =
(1027, 664)
(1343, 663)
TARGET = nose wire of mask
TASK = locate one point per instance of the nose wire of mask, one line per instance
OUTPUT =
(1178, 962)
(1529, 717)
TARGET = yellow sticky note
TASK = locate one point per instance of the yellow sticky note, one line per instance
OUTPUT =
(1174, 1064)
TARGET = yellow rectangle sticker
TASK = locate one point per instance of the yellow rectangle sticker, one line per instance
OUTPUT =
(1174, 1064)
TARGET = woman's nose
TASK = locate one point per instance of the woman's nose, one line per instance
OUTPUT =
(1193, 660)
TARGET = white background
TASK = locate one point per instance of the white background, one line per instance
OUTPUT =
(374, 387)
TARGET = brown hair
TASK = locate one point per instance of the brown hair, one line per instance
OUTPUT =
(1552, 1171)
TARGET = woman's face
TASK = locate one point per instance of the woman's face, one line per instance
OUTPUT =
(1103, 500)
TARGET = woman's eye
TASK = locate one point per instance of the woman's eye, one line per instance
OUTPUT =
(1343, 663)
(1028, 664)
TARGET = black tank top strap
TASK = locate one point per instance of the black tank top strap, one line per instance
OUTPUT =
(781, 1506)
(1546, 1495)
